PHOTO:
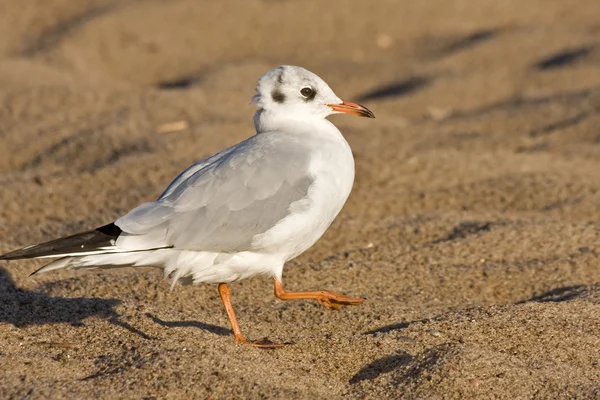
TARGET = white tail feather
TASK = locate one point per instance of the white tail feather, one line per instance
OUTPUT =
(151, 258)
(101, 250)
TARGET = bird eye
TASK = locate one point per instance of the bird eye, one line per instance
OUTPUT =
(306, 92)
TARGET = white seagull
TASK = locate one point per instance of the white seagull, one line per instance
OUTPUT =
(242, 212)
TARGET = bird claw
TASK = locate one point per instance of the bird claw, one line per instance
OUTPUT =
(333, 301)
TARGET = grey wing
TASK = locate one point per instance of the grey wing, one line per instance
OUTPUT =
(185, 175)
(224, 204)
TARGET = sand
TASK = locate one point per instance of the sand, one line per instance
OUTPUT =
(473, 229)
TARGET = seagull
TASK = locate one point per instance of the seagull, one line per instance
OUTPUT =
(242, 212)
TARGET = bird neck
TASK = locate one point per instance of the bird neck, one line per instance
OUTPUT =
(268, 121)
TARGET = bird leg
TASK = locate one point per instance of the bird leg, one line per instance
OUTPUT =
(332, 301)
(237, 332)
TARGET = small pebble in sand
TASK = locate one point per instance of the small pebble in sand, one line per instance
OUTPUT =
(384, 41)
(439, 113)
(171, 127)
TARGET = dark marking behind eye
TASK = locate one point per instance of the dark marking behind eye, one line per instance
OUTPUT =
(280, 78)
(308, 93)
(278, 96)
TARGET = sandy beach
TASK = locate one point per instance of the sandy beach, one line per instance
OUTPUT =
(473, 228)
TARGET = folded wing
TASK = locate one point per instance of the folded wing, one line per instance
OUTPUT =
(223, 204)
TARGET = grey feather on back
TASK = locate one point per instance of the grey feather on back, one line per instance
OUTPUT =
(222, 203)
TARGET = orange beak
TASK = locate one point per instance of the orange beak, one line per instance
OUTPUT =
(348, 107)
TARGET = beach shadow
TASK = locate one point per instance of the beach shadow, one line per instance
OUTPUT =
(562, 124)
(184, 82)
(406, 367)
(381, 366)
(397, 89)
(217, 330)
(389, 328)
(564, 58)
(464, 229)
(22, 308)
(397, 326)
(468, 41)
(558, 295)
(519, 102)
(50, 38)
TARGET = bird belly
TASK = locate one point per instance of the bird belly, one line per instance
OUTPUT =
(205, 267)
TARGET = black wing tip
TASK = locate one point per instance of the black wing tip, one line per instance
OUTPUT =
(15, 255)
(111, 231)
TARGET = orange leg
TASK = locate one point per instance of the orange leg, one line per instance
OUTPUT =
(332, 301)
(237, 332)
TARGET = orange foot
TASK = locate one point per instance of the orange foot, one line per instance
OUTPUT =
(332, 301)
(335, 301)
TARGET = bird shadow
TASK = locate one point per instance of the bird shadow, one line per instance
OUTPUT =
(217, 330)
(23, 308)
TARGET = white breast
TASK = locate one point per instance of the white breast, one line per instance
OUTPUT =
(332, 168)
